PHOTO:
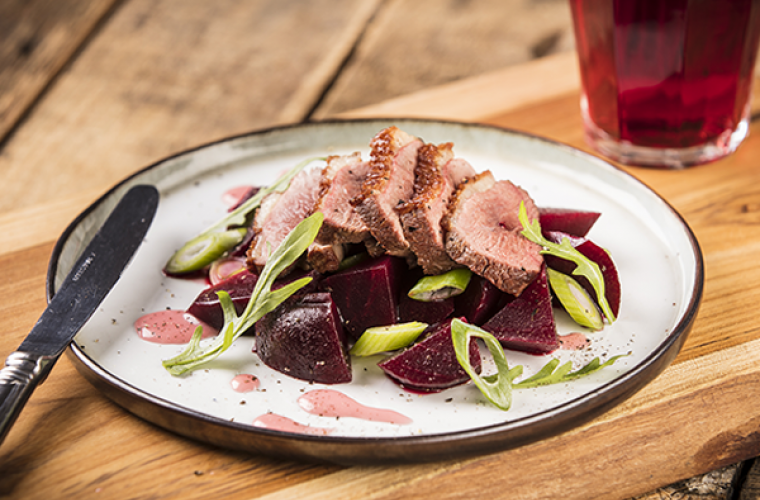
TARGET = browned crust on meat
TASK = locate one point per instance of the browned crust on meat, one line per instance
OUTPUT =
(325, 258)
(428, 178)
(383, 153)
(386, 188)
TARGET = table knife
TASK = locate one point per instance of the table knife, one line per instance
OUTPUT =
(91, 278)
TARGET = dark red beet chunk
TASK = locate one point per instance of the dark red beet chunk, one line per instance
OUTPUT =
(424, 312)
(431, 364)
(303, 338)
(596, 254)
(206, 306)
(367, 294)
(526, 323)
(479, 301)
(567, 220)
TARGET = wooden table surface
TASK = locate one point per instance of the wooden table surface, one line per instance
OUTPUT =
(93, 90)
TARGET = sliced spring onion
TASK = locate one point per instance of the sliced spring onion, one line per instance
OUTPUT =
(263, 300)
(203, 250)
(564, 250)
(441, 286)
(497, 388)
(575, 300)
(387, 338)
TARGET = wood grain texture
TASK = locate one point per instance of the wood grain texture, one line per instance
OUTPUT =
(166, 75)
(415, 44)
(37, 39)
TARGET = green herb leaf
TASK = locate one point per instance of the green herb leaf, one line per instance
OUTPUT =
(441, 286)
(551, 373)
(205, 248)
(387, 338)
(585, 266)
(262, 301)
(497, 388)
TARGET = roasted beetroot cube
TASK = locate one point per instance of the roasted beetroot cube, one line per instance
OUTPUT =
(479, 301)
(304, 338)
(567, 220)
(595, 253)
(526, 323)
(424, 312)
(367, 294)
(431, 365)
(206, 306)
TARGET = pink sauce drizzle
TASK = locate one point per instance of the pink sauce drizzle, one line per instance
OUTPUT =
(233, 196)
(244, 382)
(573, 341)
(279, 423)
(329, 403)
(170, 327)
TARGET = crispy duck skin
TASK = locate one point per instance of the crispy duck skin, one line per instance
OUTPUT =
(483, 232)
(389, 184)
(436, 176)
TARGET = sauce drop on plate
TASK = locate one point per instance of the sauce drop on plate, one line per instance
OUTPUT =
(170, 327)
(330, 403)
(276, 422)
(245, 382)
(573, 341)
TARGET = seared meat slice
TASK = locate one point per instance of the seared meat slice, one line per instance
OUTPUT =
(279, 213)
(390, 183)
(483, 232)
(341, 181)
(436, 176)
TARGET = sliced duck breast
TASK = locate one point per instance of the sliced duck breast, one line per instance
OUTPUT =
(389, 183)
(483, 232)
(436, 176)
(280, 213)
(342, 181)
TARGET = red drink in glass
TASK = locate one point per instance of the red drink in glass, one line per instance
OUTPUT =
(666, 82)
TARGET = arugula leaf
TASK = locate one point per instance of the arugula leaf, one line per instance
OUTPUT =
(564, 250)
(204, 248)
(263, 299)
(552, 374)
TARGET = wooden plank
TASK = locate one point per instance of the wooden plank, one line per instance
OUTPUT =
(415, 44)
(166, 75)
(37, 39)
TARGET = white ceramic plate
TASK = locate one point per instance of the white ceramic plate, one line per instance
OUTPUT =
(657, 256)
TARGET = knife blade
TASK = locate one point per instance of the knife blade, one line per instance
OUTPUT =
(93, 275)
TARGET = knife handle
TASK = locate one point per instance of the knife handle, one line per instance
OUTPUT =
(22, 373)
